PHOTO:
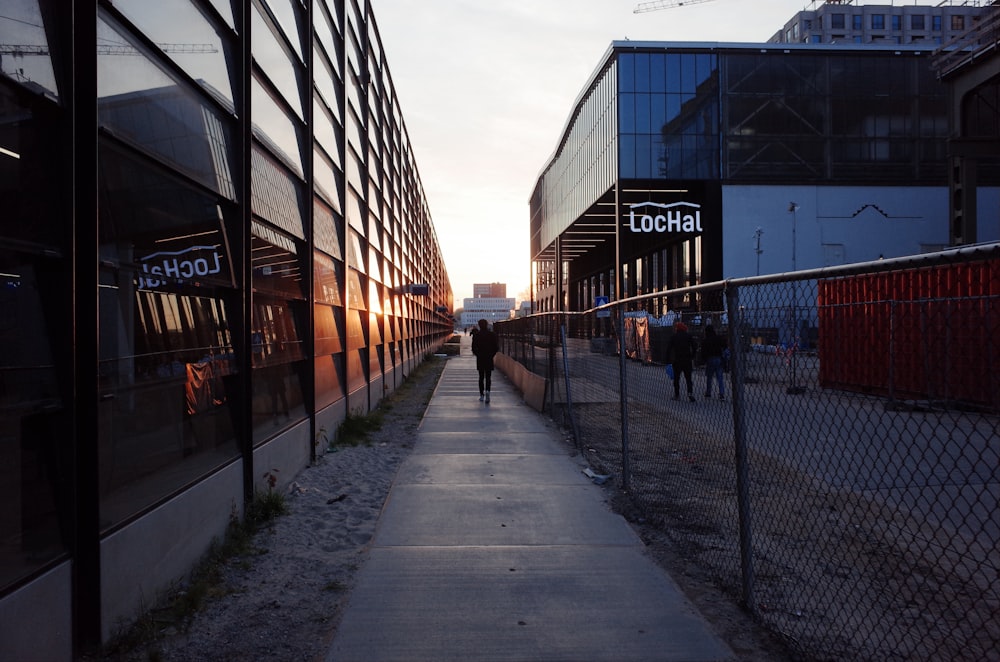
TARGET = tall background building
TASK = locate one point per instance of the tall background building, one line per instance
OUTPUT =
(489, 290)
(489, 302)
(848, 22)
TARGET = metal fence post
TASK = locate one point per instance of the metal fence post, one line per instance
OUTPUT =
(623, 398)
(738, 367)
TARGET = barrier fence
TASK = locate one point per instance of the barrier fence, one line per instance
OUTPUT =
(845, 490)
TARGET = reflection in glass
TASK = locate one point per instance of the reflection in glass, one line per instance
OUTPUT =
(187, 37)
(277, 333)
(275, 128)
(276, 261)
(35, 337)
(30, 63)
(34, 427)
(274, 60)
(141, 103)
(166, 355)
(289, 14)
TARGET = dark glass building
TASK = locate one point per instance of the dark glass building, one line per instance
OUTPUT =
(215, 245)
(685, 163)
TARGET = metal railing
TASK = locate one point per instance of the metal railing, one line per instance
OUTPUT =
(845, 491)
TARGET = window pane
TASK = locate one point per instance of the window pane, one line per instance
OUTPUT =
(166, 355)
(23, 26)
(188, 38)
(280, 68)
(143, 104)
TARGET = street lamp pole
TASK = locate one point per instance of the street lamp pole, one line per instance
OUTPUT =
(793, 387)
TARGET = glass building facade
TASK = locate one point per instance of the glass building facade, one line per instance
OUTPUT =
(212, 222)
(674, 154)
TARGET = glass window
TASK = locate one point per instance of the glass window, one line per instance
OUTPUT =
(837, 21)
(641, 72)
(626, 113)
(225, 9)
(957, 22)
(187, 36)
(273, 126)
(22, 24)
(626, 157)
(936, 23)
(275, 195)
(658, 72)
(167, 363)
(325, 32)
(281, 69)
(36, 334)
(626, 72)
(688, 74)
(917, 22)
(897, 22)
(642, 107)
(325, 179)
(878, 21)
(277, 267)
(289, 15)
(857, 21)
(140, 102)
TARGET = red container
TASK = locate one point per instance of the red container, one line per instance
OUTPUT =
(928, 334)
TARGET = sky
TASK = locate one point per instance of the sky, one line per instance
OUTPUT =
(486, 87)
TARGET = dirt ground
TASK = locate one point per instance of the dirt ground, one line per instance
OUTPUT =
(284, 601)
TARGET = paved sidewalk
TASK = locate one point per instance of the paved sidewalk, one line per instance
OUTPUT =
(494, 546)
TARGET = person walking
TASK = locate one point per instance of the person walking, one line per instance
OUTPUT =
(682, 348)
(485, 346)
(711, 350)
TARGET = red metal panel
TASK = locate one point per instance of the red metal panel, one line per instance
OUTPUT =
(931, 333)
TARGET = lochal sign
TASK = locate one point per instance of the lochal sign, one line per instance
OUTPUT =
(181, 266)
(665, 218)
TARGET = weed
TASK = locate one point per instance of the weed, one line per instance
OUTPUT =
(356, 428)
(179, 605)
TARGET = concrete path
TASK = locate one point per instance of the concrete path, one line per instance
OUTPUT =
(494, 546)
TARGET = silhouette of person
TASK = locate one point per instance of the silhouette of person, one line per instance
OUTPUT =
(682, 348)
(485, 346)
(712, 349)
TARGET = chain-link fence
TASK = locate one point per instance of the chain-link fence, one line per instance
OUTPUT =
(845, 485)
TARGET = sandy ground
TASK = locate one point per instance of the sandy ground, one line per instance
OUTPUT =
(284, 602)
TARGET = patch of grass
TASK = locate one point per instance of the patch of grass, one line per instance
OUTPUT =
(182, 602)
(356, 428)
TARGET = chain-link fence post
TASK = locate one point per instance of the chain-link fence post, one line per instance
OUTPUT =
(623, 397)
(738, 368)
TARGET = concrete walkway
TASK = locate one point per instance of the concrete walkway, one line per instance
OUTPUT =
(493, 545)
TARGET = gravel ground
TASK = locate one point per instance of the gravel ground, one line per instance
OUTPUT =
(284, 600)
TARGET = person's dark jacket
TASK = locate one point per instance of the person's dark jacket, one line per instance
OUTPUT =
(712, 346)
(485, 346)
(682, 348)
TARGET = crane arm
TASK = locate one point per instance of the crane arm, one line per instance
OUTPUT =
(664, 4)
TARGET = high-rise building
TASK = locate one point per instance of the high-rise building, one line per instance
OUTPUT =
(847, 22)
(489, 290)
(491, 309)
(215, 245)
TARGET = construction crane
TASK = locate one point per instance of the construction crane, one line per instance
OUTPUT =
(664, 4)
(20, 50)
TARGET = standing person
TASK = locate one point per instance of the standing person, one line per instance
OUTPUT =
(712, 351)
(485, 346)
(682, 348)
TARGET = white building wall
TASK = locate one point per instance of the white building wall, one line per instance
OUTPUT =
(836, 225)
(491, 309)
